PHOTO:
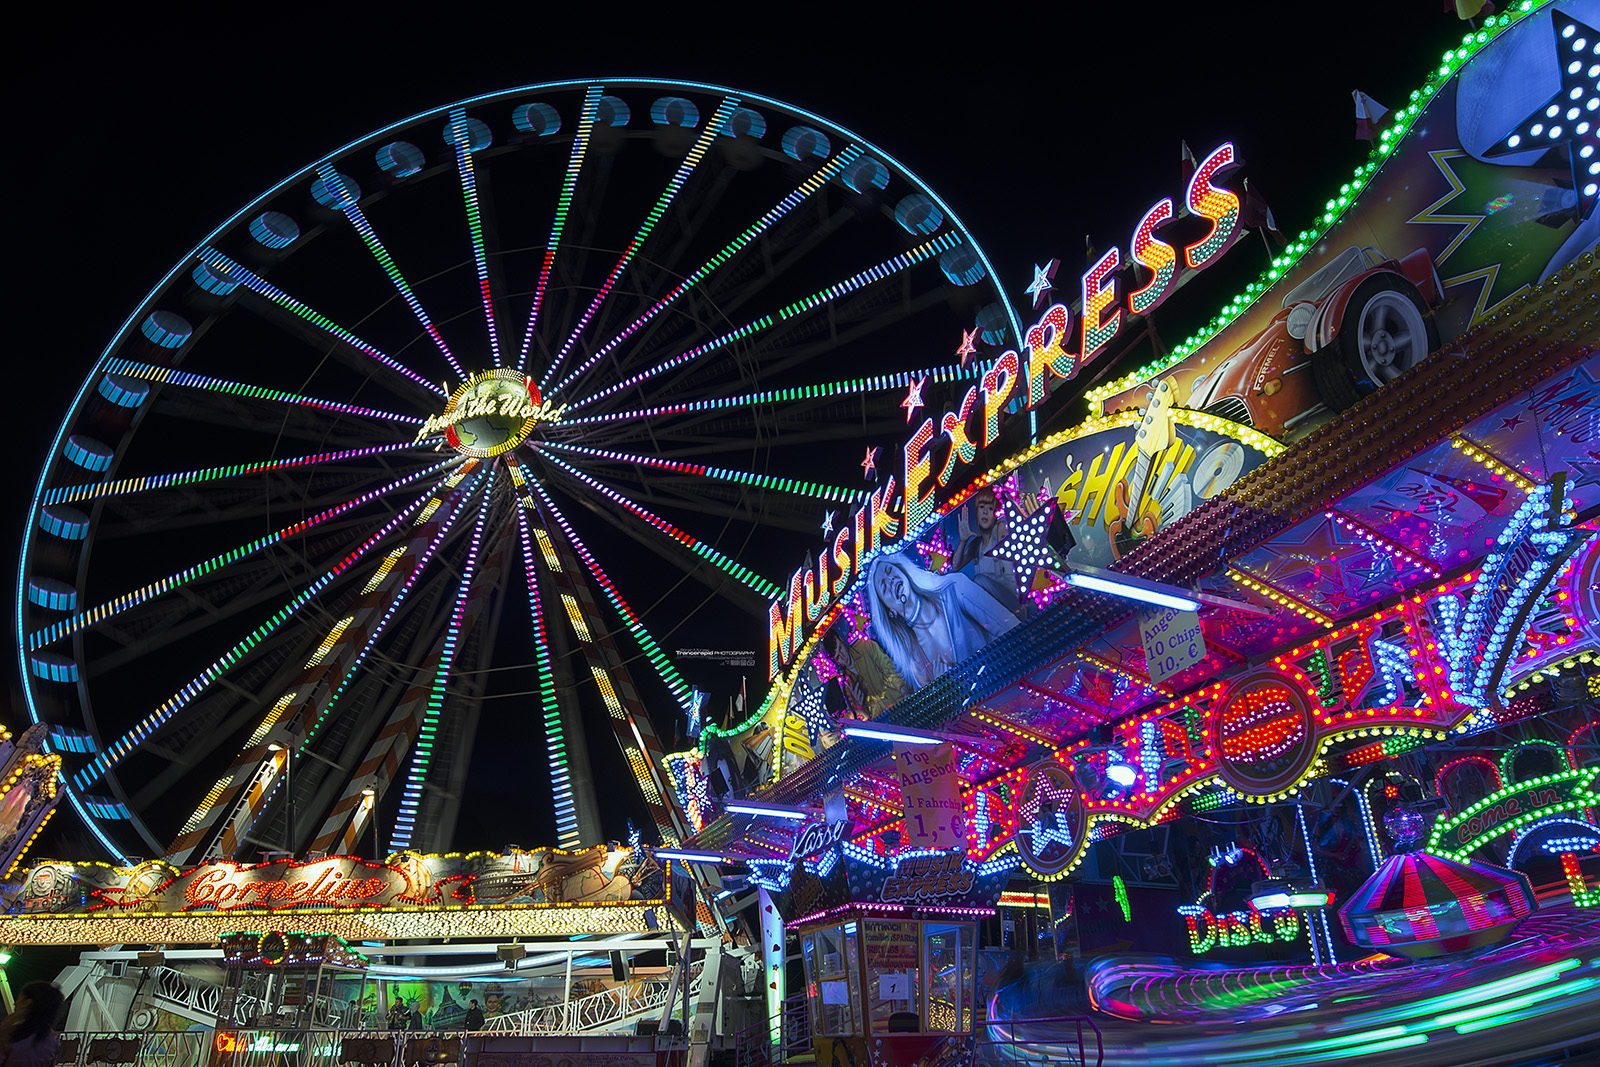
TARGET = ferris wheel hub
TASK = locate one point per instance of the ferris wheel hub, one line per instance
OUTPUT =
(491, 412)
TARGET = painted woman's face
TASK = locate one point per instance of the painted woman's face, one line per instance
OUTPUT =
(891, 586)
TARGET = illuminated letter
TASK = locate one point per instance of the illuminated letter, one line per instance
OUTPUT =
(1098, 478)
(1202, 927)
(918, 465)
(1214, 203)
(783, 634)
(1099, 293)
(842, 560)
(1044, 350)
(1156, 256)
(817, 596)
(954, 425)
(998, 385)
(884, 527)
(203, 888)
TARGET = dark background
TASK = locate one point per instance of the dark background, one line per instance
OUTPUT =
(130, 142)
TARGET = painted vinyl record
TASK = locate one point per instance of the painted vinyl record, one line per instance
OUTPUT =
(1217, 469)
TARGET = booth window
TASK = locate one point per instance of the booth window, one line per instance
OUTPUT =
(833, 983)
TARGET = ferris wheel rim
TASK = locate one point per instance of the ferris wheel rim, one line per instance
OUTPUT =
(145, 306)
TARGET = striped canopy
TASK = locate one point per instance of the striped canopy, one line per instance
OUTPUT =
(1418, 904)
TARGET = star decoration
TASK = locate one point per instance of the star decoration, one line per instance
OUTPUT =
(1587, 471)
(913, 401)
(1026, 544)
(1043, 814)
(1043, 281)
(1572, 115)
(827, 525)
(968, 349)
(869, 465)
(807, 704)
(1511, 423)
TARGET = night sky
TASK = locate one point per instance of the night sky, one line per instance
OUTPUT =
(132, 143)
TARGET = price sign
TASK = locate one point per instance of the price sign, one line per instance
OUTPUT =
(1173, 642)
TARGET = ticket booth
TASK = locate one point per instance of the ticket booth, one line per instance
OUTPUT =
(889, 945)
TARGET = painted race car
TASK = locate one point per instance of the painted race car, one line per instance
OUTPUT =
(1353, 326)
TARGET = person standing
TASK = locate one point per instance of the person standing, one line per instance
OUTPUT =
(417, 1021)
(474, 1016)
(400, 1015)
(26, 1037)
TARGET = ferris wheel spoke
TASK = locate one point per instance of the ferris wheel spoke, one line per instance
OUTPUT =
(114, 753)
(328, 671)
(783, 207)
(580, 147)
(700, 548)
(886, 269)
(680, 689)
(170, 376)
(84, 619)
(238, 274)
(422, 750)
(845, 387)
(461, 141)
(123, 486)
(797, 486)
(334, 182)
(561, 787)
(713, 128)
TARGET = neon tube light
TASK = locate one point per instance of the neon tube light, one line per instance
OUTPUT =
(1132, 588)
(771, 811)
(900, 735)
(692, 855)
(462, 142)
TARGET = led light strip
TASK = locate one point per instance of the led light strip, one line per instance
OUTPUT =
(742, 573)
(883, 270)
(1495, 464)
(168, 376)
(469, 192)
(952, 373)
(663, 202)
(254, 282)
(793, 200)
(787, 485)
(422, 749)
(1377, 540)
(114, 753)
(90, 617)
(71, 493)
(334, 182)
(1283, 600)
(1400, 124)
(555, 737)
(580, 145)
(658, 659)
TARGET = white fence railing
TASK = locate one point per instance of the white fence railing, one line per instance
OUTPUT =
(609, 1008)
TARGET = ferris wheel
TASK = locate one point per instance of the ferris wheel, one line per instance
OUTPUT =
(421, 413)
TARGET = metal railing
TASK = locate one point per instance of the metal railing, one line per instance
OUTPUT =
(639, 997)
(767, 1042)
(999, 1045)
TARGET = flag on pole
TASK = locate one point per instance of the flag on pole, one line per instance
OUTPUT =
(1258, 215)
(1369, 115)
(1186, 167)
(1469, 9)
